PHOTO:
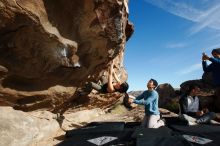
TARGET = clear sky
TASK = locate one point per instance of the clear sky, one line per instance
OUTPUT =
(169, 38)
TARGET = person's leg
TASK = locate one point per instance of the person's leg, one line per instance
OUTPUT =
(155, 121)
(190, 120)
(92, 85)
(206, 118)
(158, 122)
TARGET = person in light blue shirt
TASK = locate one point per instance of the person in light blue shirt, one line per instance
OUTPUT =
(149, 99)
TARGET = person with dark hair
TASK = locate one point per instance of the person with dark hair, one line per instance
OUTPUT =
(149, 99)
(109, 86)
(191, 110)
(214, 68)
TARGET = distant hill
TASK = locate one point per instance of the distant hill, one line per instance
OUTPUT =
(135, 93)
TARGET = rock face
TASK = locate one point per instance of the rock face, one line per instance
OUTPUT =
(166, 93)
(168, 97)
(206, 88)
(207, 96)
(45, 43)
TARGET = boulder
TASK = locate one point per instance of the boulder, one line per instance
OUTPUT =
(19, 128)
(204, 87)
(45, 43)
(166, 93)
(207, 92)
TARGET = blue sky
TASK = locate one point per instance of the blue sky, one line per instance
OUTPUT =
(169, 38)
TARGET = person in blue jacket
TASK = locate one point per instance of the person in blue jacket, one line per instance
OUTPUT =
(149, 99)
(214, 68)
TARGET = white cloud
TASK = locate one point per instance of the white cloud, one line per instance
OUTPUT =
(177, 8)
(210, 18)
(176, 45)
(204, 13)
(217, 45)
(190, 69)
(217, 36)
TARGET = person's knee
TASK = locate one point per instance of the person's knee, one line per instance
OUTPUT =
(206, 118)
(183, 116)
(212, 115)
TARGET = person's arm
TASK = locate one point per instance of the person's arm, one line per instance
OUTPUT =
(151, 97)
(116, 77)
(110, 87)
(136, 99)
(214, 60)
(141, 96)
(206, 67)
(200, 106)
(200, 112)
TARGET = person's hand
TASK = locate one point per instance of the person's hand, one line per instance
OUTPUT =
(205, 57)
(133, 105)
(130, 100)
(205, 110)
(199, 113)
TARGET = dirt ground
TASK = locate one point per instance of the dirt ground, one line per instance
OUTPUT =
(117, 113)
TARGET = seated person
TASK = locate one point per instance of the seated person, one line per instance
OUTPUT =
(190, 108)
(109, 86)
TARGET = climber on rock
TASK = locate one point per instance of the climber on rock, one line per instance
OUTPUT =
(108, 86)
